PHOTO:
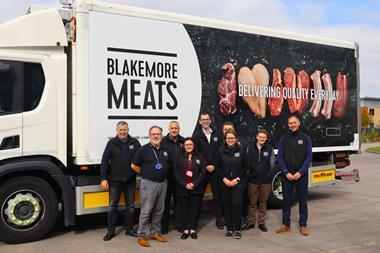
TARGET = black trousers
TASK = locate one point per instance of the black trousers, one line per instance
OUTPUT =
(301, 186)
(115, 190)
(170, 191)
(190, 211)
(232, 206)
(216, 195)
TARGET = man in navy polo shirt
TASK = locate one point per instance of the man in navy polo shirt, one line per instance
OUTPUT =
(152, 162)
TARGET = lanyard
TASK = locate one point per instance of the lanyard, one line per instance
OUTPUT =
(155, 154)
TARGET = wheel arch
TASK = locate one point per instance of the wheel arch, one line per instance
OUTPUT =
(46, 169)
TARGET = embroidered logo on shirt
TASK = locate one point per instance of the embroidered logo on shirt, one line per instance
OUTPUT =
(131, 147)
(237, 154)
(165, 153)
(198, 161)
(215, 139)
(265, 153)
(300, 142)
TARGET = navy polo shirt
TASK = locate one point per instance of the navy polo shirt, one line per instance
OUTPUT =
(153, 162)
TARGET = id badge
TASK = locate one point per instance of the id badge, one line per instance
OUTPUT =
(189, 173)
(159, 166)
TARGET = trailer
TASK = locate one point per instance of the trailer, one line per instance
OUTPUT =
(68, 74)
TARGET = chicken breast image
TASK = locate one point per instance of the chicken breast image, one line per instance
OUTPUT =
(261, 75)
(246, 77)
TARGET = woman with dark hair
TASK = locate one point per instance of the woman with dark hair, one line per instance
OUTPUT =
(189, 173)
(231, 167)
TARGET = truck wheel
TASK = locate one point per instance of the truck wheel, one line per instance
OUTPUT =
(29, 209)
(275, 196)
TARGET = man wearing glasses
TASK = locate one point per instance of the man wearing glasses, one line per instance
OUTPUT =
(152, 162)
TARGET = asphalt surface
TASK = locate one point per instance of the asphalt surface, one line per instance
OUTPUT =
(344, 217)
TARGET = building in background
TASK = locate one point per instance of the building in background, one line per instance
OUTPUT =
(371, 105)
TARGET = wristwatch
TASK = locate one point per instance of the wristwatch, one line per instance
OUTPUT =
(238, 180)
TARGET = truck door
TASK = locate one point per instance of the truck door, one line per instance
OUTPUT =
(11, 108)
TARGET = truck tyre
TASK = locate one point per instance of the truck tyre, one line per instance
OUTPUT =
(275, 196)
(29, 209)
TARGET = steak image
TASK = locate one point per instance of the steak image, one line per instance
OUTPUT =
(227, 90)
(290, 82)
(303, 81)
(276, 103)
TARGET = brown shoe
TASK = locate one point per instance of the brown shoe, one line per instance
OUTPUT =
(158, 237)
(143, 242)
(304, 231)
(283, 229)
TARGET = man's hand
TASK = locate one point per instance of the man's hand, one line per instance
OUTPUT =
(297, 176)
(136, 168)
(289, 176)
(190, 186)
(234, 182)
(227, 182)
(104, 185)
(210, 168)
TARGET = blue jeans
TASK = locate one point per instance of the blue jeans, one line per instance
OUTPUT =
(116, 188)
(301, 187)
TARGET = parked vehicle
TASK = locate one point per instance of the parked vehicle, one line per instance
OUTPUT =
(67, 75)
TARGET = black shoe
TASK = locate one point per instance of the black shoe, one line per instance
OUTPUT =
(263, 228)
(194, 235)
(220, 224)
(108, 236)
(244, 221)
(164, 230)
(130, 231)
(237, 234)
(247, 226)
(229, 234)
(184, 236)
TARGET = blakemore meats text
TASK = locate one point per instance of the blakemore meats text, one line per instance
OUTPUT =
(146, 84)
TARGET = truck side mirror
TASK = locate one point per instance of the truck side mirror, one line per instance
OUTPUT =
(5, 68)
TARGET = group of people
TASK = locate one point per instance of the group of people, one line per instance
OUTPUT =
(240, 175)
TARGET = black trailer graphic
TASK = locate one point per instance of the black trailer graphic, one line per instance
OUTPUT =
(216, 47)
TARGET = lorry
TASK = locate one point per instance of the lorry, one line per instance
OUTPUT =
(69, 74)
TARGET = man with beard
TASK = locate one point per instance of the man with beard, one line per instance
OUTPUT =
(152, 162)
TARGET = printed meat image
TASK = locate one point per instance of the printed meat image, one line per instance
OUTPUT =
(276, 103)
(227, 90)
(262, 78)
(317, 85)
(303, 82)
(290, 82)
(327, 106)
(246, 77)
(340, 105)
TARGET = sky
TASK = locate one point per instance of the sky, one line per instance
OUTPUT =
(349, 20)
